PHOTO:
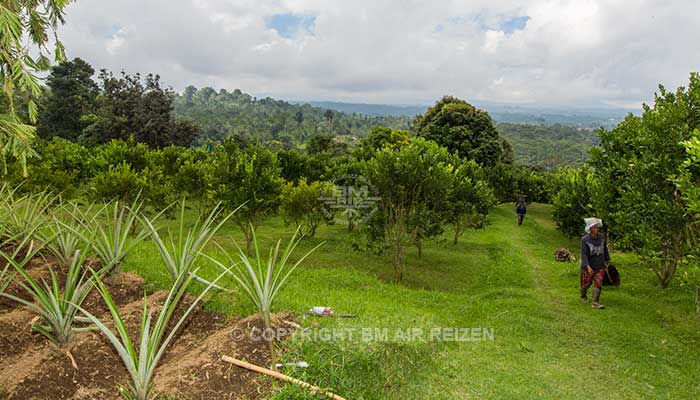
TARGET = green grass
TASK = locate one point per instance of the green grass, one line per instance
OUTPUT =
(645, 344)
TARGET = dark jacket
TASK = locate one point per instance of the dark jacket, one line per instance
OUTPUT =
(594, 252)
(520, 209)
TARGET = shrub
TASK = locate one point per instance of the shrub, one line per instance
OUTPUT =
(303, 205)
(573, 200)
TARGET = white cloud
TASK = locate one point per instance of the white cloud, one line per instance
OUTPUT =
(569, 52)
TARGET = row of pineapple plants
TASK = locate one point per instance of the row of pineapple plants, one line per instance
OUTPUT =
(90, 243)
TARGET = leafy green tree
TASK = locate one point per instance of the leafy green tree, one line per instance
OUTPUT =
(320, 143)
(639, 161)
(194, 177)
(63, 167)
(250, 178)
(511, 182)
(470, 198)
(303, 205)
(378, 138)
(412, 182)
(73, 94)
(462, 129)
(574, 199)
(293, 164)
(131, 106)
(25, 30)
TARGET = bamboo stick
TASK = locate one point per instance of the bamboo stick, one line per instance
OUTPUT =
(313, 389)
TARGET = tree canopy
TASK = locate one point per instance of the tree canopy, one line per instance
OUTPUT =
(462, 129)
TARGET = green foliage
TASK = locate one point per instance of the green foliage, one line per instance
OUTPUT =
(248, 178)
(129, 106)
(25, 26)
(62, 236)
(180, 252)
(412, 183)
(119, 182)
(548, 146)
(325, 143)
(263, 279)
(195, 174)
(637, 164)
(303, 205)
(688, 178)
(462, 129)
(271, 122)
(511, 182)
(61, 167)
(72, 96)
(130, 169)
(24, 216)
(574, 200)
(56, 306)
(112, 232)
(470, 198)
(380, 137)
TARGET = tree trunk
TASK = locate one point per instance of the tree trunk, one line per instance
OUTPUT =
(697, 300)
(398, 250)
(666, 274)
(419, 244)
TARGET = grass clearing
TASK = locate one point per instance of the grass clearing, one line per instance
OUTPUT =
(645, 344)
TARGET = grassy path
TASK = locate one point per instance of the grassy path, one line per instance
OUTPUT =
(547, 344)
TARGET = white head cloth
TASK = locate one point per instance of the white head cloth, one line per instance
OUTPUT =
(591, 222)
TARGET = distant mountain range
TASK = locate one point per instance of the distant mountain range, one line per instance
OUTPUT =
(520, 114)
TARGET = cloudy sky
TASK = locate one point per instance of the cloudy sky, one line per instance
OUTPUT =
(542, 52)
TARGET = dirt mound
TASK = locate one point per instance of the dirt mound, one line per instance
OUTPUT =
(22, 349)
(125, 289)
(195, 369)
(191, 368)
(37, 271)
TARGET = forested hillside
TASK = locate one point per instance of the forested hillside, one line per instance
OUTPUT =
(280, 124)
(548, 146)
(270, 121)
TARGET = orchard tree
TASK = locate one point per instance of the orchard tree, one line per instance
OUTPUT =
(26, 28)
(303, 205)
(470, 198)
(72, 95)
(412, 183)
(248, 178)
(462, 129)
(574, 200)
(642, 160)
(378, 138)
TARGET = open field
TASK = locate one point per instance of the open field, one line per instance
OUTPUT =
(645, 344)
(546, 344)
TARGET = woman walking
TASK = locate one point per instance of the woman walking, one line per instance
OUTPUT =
(594, 260)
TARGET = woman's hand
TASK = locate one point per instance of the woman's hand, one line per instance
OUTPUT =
(589, 269)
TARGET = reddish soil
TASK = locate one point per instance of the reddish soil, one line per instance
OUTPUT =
(191, 368)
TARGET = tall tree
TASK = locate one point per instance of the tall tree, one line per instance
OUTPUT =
(142, 108)
(462, 129)
(248, 177)
(25, 27)
(638, 164)
(412, 183)
(72, 95)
